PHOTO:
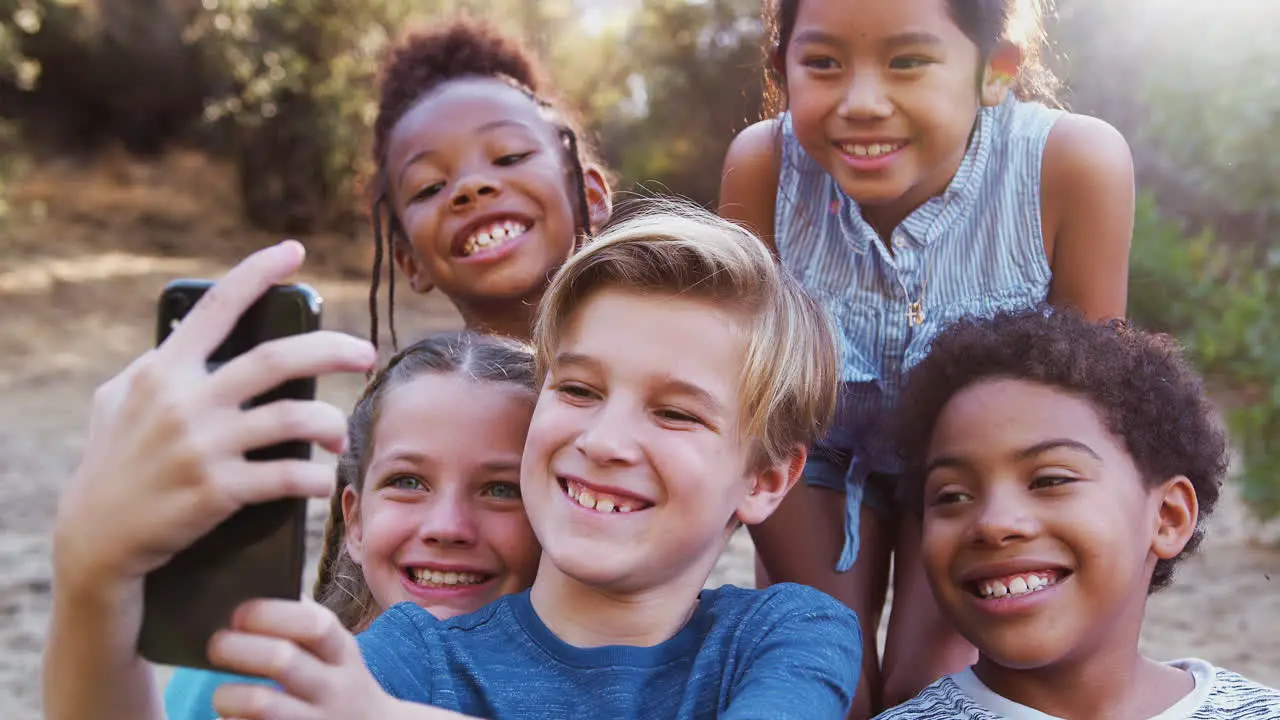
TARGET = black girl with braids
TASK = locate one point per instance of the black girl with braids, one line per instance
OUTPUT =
(428, 507)
(484, 184)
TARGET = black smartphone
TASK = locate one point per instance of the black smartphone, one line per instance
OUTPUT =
(260, 550)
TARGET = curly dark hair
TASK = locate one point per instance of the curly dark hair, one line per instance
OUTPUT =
(1141, 386)
(421, 64)
(985, 22)
(340, 583)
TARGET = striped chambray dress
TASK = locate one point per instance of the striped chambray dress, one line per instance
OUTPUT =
(976, 249)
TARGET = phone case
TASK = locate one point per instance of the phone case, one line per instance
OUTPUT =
(260, 550)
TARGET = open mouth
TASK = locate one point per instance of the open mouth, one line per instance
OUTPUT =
(492, 235)
(1016, 585)
(871, 151)
(442, 579)
(600, 501)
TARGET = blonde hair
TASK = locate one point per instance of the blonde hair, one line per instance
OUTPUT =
(790, 373)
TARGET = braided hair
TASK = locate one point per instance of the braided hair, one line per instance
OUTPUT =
(340, 584)
(420, 65)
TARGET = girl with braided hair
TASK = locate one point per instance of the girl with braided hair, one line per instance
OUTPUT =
(484, 186)
(427, 508)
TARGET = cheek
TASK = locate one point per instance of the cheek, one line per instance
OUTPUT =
(387, 528)
(511, 539)
(939, 540)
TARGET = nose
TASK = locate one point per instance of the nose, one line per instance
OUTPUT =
(609, 436)
(469, 190)
(448, 519)
(866, 99)
(1003, 518)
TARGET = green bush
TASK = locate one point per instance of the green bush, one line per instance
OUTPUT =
(1223, 305)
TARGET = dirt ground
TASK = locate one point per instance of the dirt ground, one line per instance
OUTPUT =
(81, 263)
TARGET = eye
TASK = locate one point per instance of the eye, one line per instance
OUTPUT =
(679, 416)
(950, 497)
(821, 63)
(574, 391)
(1050, 481)
(427, 192)
(503, 490)
(909, 62)
(404, 482)
(513, 159)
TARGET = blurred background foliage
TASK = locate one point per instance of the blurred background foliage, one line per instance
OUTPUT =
(284, 90)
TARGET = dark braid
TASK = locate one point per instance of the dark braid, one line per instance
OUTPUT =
(422, 64)
(340, 584)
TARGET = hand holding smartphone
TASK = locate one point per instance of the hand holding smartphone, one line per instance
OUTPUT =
(259, 551)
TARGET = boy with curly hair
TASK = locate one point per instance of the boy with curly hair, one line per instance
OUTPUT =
(1063, 469)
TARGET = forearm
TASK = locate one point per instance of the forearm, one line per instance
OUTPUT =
(92, 669)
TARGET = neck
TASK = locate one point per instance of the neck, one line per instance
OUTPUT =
(1110, 680)
(586, 616)
(512, 318)
(884, 218)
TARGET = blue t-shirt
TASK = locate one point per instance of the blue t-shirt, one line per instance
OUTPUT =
(785, 652)
(189, 694)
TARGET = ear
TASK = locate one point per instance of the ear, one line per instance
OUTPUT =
(599, 199)
(1000, 73)
(407, 260)
(770, 485)
(1177, 510)
(351, 521)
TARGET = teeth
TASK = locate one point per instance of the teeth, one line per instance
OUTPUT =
(424, 576)
(1018, 585)
(873, 150)
(493, 234)
(591, 502)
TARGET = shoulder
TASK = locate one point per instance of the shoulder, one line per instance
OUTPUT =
(1236, 696)
(756, 148)
(1082, 151)
(749, 180)
(189, 693)
(787, 608)
(943, 699)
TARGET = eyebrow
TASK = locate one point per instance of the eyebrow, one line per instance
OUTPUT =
(668, 383)
(414, 458)
(488, 127)
(913, 37)
(698, 394)
(1040, 448)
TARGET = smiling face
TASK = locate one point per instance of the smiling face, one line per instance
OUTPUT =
(1040, 534)
(635, 467)
(479, 180)
(883, 95)
(439, 521)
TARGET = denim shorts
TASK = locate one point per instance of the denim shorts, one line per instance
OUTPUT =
(838, 471)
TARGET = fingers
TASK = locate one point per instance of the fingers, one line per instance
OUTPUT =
(213, 317)
(264, 481)
(241, 701)
(291, 420)
(295, 644)
(299, 673)
(299, 356)
(313, 627)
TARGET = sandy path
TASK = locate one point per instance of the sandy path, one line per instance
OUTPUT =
(65, 326)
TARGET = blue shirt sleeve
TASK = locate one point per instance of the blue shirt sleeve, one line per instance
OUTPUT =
(806, 662)
(189, 694)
